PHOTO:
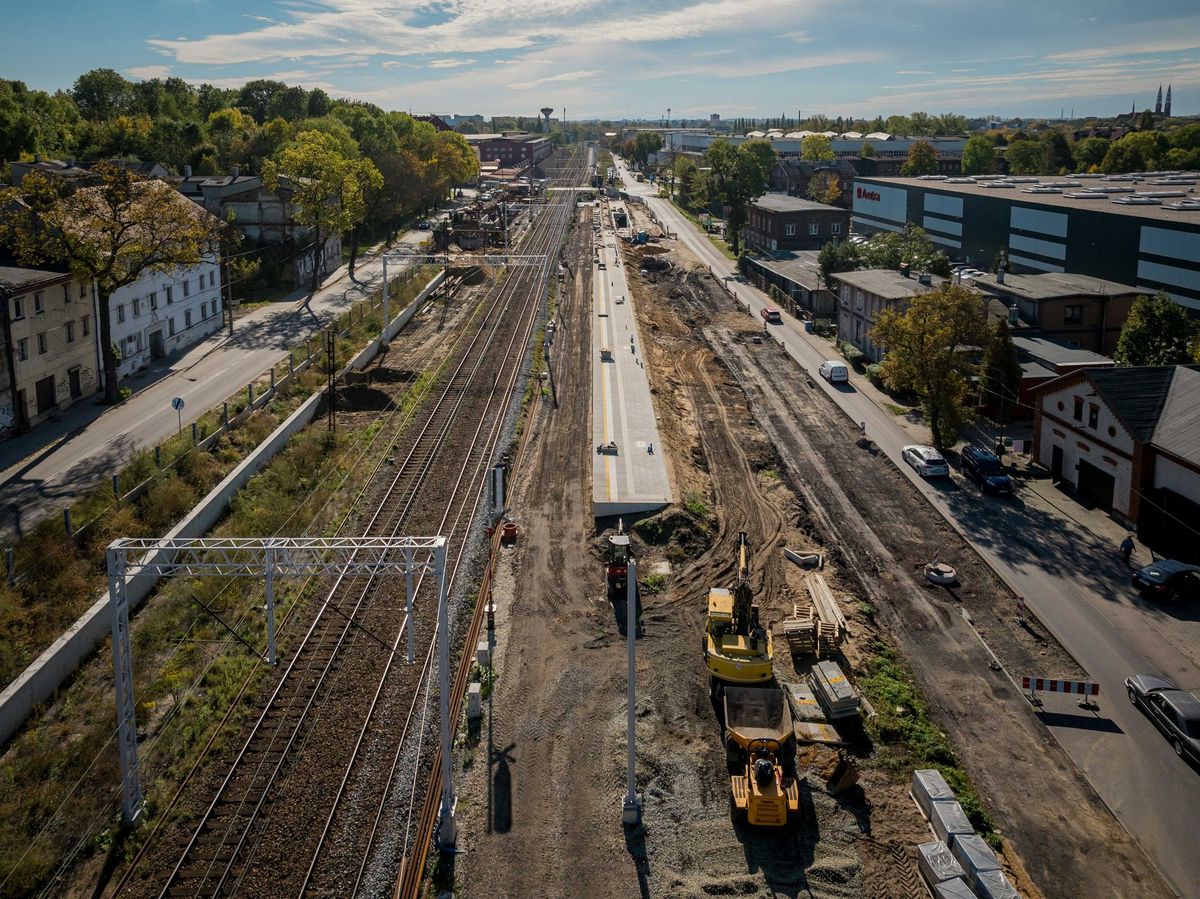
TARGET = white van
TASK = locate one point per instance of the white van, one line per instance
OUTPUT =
(834, 372)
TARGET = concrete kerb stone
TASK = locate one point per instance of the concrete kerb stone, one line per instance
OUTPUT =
(60, 660)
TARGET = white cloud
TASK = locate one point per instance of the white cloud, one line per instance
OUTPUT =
(147, 72)
(450, 63)
(581, 75)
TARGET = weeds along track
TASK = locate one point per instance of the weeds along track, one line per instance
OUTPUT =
(299, 807)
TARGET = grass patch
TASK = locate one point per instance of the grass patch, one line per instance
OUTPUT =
(718, 242)
(653, 584)
(694, 504)
(906, 738)
(896, 410)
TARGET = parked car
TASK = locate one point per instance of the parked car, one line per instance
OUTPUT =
(834, 372)
(986, 470)
(1168, 579)
(423, 225)
(927, 461)
(1175, 712)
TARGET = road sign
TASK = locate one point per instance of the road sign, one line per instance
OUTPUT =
(177, 404)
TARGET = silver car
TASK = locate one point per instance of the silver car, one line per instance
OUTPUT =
(926, 461)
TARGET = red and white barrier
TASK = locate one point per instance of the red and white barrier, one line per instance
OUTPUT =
(1046, 685)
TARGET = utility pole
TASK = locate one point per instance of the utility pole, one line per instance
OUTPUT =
(331, 361)
(631, 808)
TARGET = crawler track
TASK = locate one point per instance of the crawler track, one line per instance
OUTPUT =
(339, 744)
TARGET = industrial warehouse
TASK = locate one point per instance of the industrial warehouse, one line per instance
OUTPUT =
(1141, 230)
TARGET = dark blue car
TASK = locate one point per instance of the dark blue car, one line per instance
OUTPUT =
(1168, 579)
(985, 469)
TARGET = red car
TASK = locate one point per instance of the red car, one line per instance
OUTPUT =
(771, 315)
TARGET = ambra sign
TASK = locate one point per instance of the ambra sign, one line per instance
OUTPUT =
(877, 201)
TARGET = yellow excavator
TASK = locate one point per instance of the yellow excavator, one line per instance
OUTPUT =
(737, 648)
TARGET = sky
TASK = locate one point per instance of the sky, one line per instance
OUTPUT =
(640, 58)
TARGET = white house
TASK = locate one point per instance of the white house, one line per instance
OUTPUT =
(164, 312)
(1128, 441)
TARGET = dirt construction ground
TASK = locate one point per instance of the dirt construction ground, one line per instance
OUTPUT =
(752, 448)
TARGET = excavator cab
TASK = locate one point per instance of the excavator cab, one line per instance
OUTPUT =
(616, 565)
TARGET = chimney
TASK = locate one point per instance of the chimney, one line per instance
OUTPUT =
(1013, 316)
(37, 157)
(237, 171)
(1000, 276)
(187, 171)
(924, 279)
(904, 269)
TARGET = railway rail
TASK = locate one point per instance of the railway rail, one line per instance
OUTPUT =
(261, 825)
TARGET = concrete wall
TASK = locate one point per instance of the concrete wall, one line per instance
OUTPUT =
(47, 673)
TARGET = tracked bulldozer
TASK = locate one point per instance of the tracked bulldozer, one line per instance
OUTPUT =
(737, 648)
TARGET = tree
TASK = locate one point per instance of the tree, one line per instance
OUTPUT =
(109, 231)
(999, 370)
(1145, 121)
(924, 354)
(101, 94)
(1024, 157)
(867, 151)
(644, 144)
(1089, 152)
(888, 249)
(922, 160)
(735, 176)
(920, 123)
(825, 187)
(816, 148)
(1056, 153)
(1158, 331)
(686, 172)
(837, 257)
(328, 190)
(979, 156)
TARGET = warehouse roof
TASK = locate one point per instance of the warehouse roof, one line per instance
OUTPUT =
(1058, 355)
(1178, 429)
(1177, 203)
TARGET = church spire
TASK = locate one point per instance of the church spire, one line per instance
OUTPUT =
(1158, 102)
(1167, 105)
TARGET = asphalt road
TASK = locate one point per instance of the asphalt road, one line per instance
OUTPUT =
(45, 470)
(1075, 584)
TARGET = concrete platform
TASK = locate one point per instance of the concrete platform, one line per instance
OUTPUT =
(631, 475)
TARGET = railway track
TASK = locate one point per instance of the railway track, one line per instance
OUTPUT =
(262, 812)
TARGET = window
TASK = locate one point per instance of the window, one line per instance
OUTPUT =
(82, 291)
(1093, 415)
(203, 311)
(187, 318)
(70, 332)
(171, 325)
(153, 299)
(186, 288)
(18, 309)
(66, 294)
(23, 348)
(1074, 315)
(814, 229)
(137, 307)
(212, 278)
(121, 312)
(42, 344)
(139, 342)
(37, 303)
(200, 283)
(170, 299)
(1078, 414)
(835, 228)
(789, 230)
(86, 321)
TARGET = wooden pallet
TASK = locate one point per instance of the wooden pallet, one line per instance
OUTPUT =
(830, 628)
(800, 630)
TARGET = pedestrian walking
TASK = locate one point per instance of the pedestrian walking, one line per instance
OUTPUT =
(1127, 549)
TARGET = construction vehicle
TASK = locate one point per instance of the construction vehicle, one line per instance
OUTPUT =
(737, 648)
(760, 750)
(616, 564)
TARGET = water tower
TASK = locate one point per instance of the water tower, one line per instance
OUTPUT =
(546, 110)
